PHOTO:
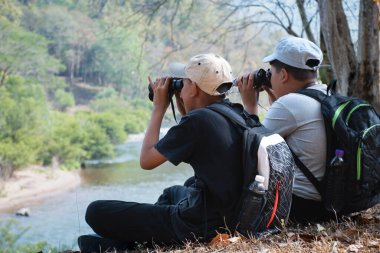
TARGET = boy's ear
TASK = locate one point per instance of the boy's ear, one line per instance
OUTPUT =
(194, 89)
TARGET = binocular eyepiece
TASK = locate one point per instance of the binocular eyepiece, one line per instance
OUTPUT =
(176, 84)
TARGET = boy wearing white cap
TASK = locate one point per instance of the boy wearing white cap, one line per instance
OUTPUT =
(206, 140)
(296, 117)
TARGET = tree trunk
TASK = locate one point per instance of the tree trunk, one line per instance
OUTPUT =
(357, 76)
(367, 86)
(338, 43)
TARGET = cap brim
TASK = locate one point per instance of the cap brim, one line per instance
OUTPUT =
(269, 58)
(177, 70)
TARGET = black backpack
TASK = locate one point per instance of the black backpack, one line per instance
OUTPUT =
(353, 126)
(266, 154)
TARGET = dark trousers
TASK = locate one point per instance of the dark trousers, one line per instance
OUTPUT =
(306, 210)
(136, 222)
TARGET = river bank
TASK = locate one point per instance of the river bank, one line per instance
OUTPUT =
(33, 184)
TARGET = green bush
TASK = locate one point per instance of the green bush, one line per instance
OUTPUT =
(65, 140)
(134, 114)
(10, 233)
(97, 144)
(106, 93)
(63, 99)
(112, 125)
(23, 111)
(107, 104)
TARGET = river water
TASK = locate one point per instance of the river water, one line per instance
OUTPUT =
(59, 220)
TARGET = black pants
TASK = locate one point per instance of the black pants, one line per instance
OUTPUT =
(306, 210)
(136, 222)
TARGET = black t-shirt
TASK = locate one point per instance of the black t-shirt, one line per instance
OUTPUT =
(211, 144)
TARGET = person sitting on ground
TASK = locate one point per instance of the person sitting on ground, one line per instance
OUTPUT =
(296, 117)
(207, 141)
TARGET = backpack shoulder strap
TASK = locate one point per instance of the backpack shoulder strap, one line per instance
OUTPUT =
(308, 174)
(229, 113)
(316, 94)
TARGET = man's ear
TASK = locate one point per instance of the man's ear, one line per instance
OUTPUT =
(284, 75)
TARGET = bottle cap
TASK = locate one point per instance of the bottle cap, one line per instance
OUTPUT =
(339, 152)
(260, 178)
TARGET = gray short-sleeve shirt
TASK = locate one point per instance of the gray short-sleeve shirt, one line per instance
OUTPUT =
(298, 119)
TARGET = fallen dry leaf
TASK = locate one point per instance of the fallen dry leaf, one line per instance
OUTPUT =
(219, 240)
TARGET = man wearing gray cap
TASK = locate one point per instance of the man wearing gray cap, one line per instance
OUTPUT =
(206, 140)
(296, 117)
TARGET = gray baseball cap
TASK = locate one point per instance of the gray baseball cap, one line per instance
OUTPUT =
(297, 52)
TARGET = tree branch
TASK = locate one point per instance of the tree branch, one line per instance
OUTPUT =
(305, 21)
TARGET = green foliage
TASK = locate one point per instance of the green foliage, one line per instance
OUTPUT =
(23, 110)
(10, 10)
(98, 144)
(133, 115)
(10, 233)
(136, 121)
(111, 124)
(113, 60)
(64, 99)
(65, 141)
(24, 53)
(106, 93)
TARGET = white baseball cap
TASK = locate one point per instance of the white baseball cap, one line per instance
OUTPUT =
(209, 71)
(297, 52)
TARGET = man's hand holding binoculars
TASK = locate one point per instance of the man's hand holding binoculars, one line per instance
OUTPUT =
(251, 84)
(248, 92)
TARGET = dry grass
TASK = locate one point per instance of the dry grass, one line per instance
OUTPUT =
(359, 233)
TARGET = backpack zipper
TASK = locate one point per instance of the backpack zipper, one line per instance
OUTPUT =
(337, 112)
(359, 152)
(352, 110)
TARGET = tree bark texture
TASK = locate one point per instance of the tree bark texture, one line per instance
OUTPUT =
(367, 86)
(357, 73)
(338, 43)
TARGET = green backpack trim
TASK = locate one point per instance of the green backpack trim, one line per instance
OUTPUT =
(337, 113)
(359, 153)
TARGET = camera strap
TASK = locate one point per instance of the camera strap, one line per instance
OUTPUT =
(173, 110)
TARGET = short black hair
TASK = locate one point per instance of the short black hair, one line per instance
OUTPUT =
(297, 73)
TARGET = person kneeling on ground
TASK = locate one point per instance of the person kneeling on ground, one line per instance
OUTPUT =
(207, 141)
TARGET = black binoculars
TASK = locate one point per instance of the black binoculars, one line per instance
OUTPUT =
(261, 78)
(176, 84)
